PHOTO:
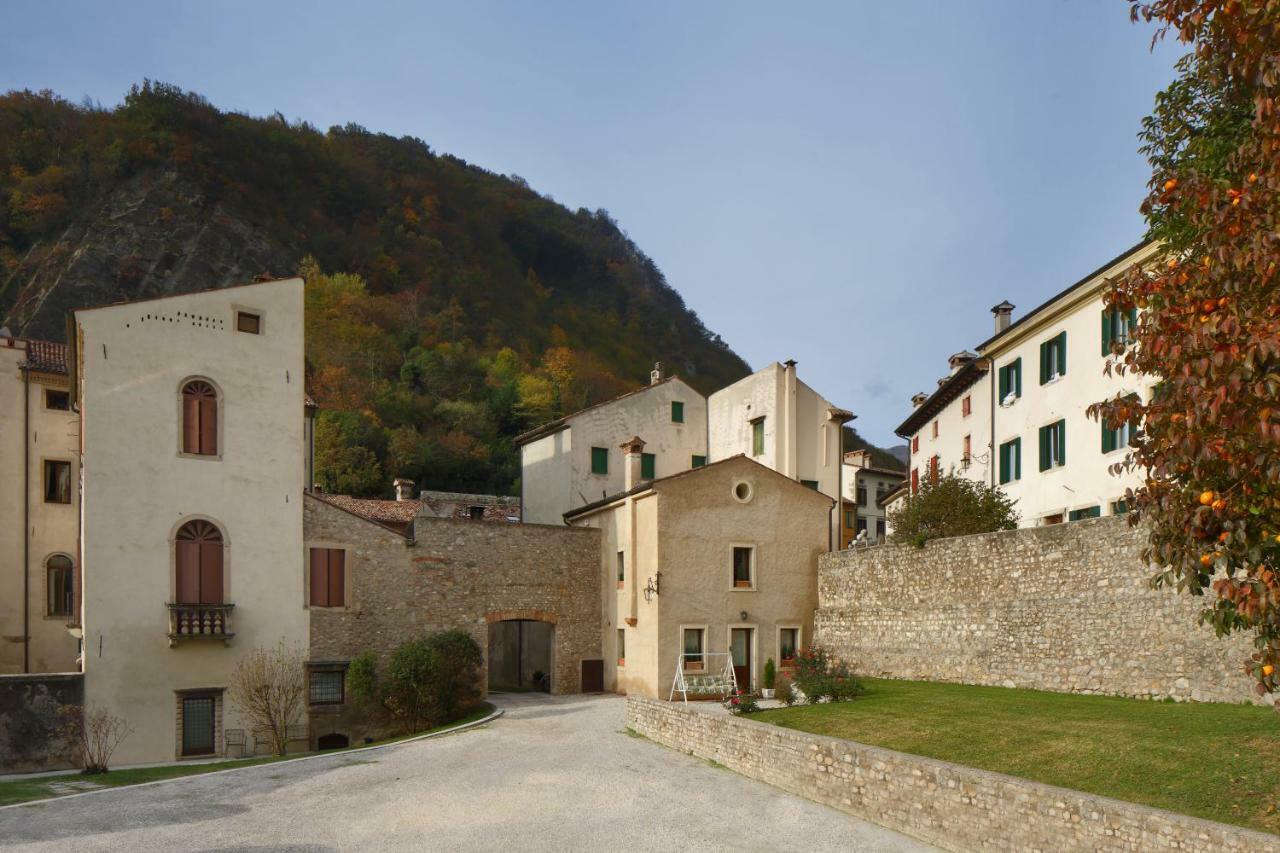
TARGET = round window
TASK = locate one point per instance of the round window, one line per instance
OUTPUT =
(742, 491)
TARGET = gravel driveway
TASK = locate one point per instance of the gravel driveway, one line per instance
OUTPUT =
(555, 773)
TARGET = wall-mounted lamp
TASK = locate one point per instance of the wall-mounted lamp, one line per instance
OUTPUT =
(652, 587)
(742, 617)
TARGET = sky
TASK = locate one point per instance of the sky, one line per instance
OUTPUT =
(851, 185)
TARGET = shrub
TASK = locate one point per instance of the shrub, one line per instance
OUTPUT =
(742, 702)
(819, 677)
(428, 680)
(94, 734)
(362, 679)
(784, 692)
(770, 674)
(952, 506)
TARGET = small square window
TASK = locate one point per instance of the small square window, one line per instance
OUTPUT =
(57, 400)
(788, 642)
(699, 461)
(648, 466)
(326, 687)
(622, 647)
(693, 638)
(248, 322)
(475, 513)
(677, 412)
(810, 484)
(57, 482)
(742, 574)
(599, 460)
(757, 437)
(966, 407)
(622, 569)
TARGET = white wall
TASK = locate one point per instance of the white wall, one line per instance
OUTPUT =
(953, 426)
(138, 490)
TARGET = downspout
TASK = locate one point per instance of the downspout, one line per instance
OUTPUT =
(26, 519)
(992, 462)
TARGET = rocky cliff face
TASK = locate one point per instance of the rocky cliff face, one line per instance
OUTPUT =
(156, 234)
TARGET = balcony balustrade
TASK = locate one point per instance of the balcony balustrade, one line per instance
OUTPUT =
(200, 622)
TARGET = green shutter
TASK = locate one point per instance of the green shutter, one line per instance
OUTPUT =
(1044, 362)
(1017, 377)
(1108, 438)
(1062, 438)
(1017, 458)
(1004, 463)
(677, 412)
(1061, 342)
(1133, 321)
(647, 465)
(757, 437)
(699, 461)
(1106, 331)
(599, 460)
(1044, 448)
(1004, 382)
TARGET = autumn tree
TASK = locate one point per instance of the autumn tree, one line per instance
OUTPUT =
(1209, 322)
(269, 686)
(949, 505)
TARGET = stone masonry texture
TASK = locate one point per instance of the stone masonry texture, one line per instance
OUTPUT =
(452, 574)
(957, 808)
(30, 724)
(1066, 608)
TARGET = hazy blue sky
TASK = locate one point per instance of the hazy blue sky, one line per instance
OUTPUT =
(852, 185)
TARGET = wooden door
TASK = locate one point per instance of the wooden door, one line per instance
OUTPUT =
(740, 646)
(593, 676)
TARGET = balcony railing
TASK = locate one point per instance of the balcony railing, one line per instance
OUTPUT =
(200, 622)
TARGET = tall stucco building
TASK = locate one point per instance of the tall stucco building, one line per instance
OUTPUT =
(866, 485)
(194, 464)
(39, 509)
(1026, 393)
(697, 565)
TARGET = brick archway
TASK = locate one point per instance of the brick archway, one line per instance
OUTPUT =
(524, 615)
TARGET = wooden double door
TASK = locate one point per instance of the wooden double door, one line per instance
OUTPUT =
(741, 642)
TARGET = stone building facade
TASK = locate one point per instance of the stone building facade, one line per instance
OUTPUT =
(447, 574)
(1066, 608)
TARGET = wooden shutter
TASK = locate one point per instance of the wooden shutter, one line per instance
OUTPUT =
(1017, 459)
(1061, 429)
(319, 577)
(210, 572)
(187, 556)
(1017, 376)
(1004, 464)
(190, 423)
(1044, 448)
(1106, 331)
(209, 425)
(1061, 343)
(1108, 438)
(337, 577)
(1044, 362)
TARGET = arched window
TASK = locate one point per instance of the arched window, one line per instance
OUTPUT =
(198, 558)
(61, 585)
(199, 418)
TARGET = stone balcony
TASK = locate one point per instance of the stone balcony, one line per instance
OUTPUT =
(200, 622)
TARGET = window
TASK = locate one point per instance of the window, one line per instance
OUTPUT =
(57, 400)
(742, 574)
(248, 322)
(1053, 445)
(677, 412)
(757, 437)
(1115, 439)
(1117, 328)
(199, 418)
(622, 569)
(622, 647)
(1119, 507)
(692, 642)
(326, 686)
(1011, 461)
(880, 528)
(198, 724)
(1010, 381)
(1053, 358)
(915, 444)
(60, 585)
(788, 643)
(599, 460)
(475, 513)
(198, 557)
(648, 462)
(861, 526)
(849, 516)
(1087, 512)
(915, 480)
(810, 484)
(935, 429)
(965, 453)
(1056, 518)
(933, 469)
(57, 482)
(699, 461)
(862, 494)
(966, 406)
(328, 577)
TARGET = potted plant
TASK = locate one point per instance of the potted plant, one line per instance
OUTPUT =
(770, 673)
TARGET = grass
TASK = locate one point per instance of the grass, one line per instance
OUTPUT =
(1213, 761)
(26, 790)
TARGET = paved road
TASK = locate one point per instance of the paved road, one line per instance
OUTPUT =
(555, 773)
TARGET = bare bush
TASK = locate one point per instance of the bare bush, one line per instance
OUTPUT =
(269, 686)
(94, 733)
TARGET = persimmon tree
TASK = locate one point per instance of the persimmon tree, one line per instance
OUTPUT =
(1208, 322)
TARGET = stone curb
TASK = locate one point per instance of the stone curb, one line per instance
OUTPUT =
(493, 715)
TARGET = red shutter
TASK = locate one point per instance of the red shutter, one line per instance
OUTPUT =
(337, 577)
(190, 423)
(209, 425)
(188, 570)
(210, 572)
(319, 577)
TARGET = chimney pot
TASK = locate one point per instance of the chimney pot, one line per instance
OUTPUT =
(918, 400)
(404, 489)
(656, 375)
(1003, 314)
(632, 451)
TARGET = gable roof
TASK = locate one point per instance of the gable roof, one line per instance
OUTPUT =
(956, 384)
(563, 422)
(46, 357)
(123, 302)
(393, 515)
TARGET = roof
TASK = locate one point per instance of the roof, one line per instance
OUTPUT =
(1081, 283)
(563, 422)
(648, 484)
(46, 357)
(382, 512)
(889, 497)
(121, 302)
(956, 384)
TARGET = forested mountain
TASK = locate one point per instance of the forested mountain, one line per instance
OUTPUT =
(449, 307)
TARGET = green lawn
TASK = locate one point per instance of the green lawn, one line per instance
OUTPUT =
(38, 789)
(1214, 761)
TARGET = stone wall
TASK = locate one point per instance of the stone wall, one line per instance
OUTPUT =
(30, 725)
(452, 574)
(955, 807)
(1065, 608)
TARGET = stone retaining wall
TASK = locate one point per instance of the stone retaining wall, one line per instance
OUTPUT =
(30, 726)
(1066, 608)
(955, 807)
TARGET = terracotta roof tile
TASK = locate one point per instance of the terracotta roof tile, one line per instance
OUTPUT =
(47, 356)
(374, 509)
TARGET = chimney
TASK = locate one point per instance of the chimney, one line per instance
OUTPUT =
(404, 489)
(1004, 315)
(631, 452)
(787, 439)
(959, 360)
(917, 400)
(655, 375)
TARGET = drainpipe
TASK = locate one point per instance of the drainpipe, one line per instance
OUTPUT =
(992, 461)
(26, 520)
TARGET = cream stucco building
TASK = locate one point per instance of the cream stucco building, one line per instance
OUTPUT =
(194, 460)
(865, 485)
(39, 509)
(698, 564)
(1029, 387)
